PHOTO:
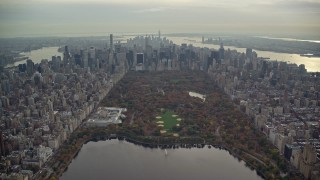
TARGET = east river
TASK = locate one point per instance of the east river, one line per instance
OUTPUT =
(114, 159)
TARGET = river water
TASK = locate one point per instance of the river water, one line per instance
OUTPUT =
(37, 55)
(312, 64)
(114, 159)
(288, 39)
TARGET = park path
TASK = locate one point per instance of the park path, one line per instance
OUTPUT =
(131, 120)
(217, 133)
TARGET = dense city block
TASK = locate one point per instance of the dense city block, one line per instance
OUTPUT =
(150, 90)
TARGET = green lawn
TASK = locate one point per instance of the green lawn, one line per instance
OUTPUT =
(169, 120)
(175, 81)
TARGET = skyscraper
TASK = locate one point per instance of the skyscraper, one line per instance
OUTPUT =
(92, 57)
(249, 53)
(5, 85)
(66, 54)
(130, 58)
(221, 51)
(77, 59)
(140, 58)
(2, 152)
(111, 42)
(56, 61)
(30, 66)
(22, 67)
(84, 55)
(146, 42)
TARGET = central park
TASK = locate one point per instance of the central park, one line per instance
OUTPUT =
(162, 113)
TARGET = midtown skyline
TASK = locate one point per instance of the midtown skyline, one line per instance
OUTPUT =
(48, 17)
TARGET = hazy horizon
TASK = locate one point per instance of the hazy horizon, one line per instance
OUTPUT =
(54, 17)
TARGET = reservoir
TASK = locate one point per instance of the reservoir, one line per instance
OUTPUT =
(121, 160)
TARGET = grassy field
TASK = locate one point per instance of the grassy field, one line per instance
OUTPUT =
(169, 120)
(176, 81)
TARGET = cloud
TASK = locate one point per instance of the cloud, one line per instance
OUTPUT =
(179, 15)
(297, 4)
(151, 10)
(123, 2)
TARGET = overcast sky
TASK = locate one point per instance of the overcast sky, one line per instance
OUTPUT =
(54, 17)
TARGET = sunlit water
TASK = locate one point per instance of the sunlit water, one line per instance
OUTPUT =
(37, 55)
(119, 160)
(288, 39)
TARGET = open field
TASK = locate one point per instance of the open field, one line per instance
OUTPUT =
(169, 120)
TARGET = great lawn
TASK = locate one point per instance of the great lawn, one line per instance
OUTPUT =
(168, 120)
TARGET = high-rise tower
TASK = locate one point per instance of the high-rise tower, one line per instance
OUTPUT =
(66, 54)
(2, 151)
(249, 53)
(30, 67)
(221, 50)
(111, 42)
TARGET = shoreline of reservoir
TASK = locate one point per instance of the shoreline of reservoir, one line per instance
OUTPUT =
(155, 146)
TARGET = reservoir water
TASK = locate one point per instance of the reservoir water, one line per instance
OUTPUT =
(121, 160)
